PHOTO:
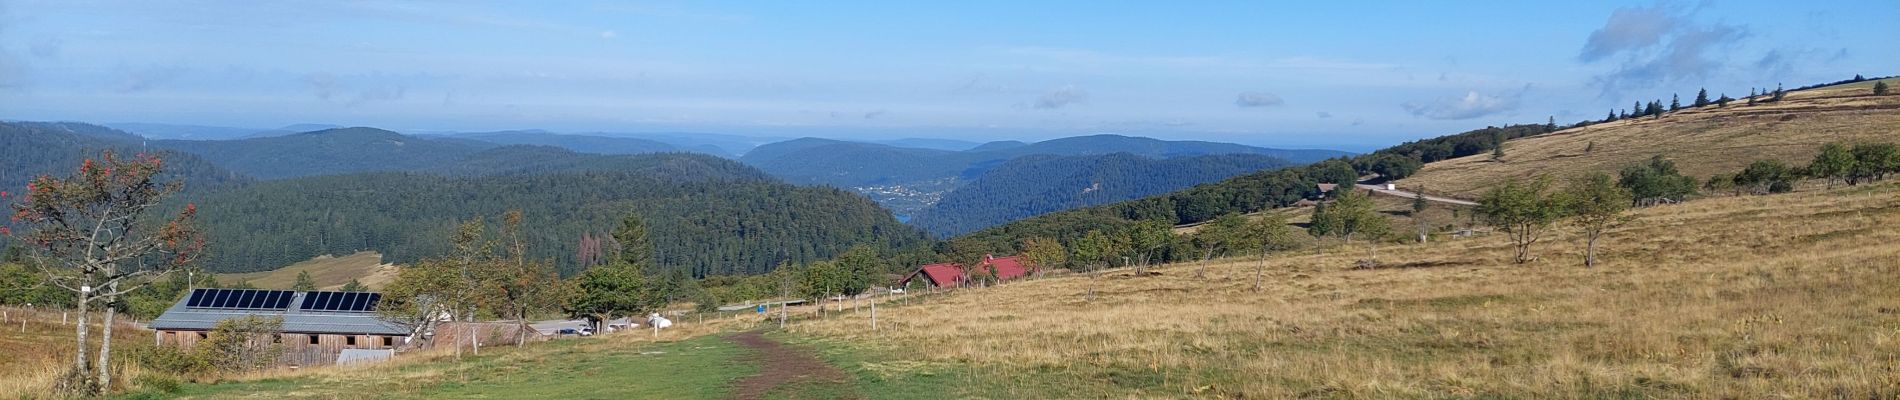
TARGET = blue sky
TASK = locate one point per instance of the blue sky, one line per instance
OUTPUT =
(1357, 75)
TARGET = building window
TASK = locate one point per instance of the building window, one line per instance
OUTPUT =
(314, 339)
(389, 341)
(202, 335)
(276, 338)
(349, 340)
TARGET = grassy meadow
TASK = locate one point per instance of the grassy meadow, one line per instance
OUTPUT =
(35, 347)
(329, 272)
(1702, 141)
(1741, 297)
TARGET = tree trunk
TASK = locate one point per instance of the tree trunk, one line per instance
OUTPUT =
(1259, 270)
(105, 340)
(1093, 272)
(1590, 250)
(80, 331)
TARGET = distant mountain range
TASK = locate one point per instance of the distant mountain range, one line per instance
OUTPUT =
(909, 180)
(338, 191)
(908, 176)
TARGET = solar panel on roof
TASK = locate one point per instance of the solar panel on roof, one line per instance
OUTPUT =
(197, 298)
(219, 301)
(241, 299)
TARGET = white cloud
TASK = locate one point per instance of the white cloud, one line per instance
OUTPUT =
(1472, 105)
(1061, 97)
(1258, 99)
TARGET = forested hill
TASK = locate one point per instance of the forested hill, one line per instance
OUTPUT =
(1241, 194)
(1035, 185)
(909, 180)
(530, 160)
(31, 149)
(708, 223)
(332, 151)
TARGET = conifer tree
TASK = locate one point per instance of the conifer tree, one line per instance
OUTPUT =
(1702, 98)
(1675, 102)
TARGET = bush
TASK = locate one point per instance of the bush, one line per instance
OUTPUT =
(173, 360)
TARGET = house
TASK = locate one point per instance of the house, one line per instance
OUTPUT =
(948, 275)
(317, 327)
(1006, 268)
(943, 275)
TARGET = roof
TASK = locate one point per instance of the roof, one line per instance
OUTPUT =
(1007, 268)
(1327, 187)
(299, 317)
(940, 274)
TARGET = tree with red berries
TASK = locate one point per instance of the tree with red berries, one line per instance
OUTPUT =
(101, 233)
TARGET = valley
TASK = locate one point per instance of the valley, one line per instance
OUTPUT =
(1631, 199)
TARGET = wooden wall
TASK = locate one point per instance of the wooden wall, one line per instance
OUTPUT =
(299, 348)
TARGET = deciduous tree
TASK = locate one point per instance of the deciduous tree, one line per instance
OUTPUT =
(1834, 162)
(1523, 211)
(1596, 205)
(99, 235)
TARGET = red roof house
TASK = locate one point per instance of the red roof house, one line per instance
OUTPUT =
(938, 275)
(1007, 268)
(948, 275)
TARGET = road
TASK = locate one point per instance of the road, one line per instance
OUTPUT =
(1401, 193)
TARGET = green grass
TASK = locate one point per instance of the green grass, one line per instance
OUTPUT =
(880, 373)
(698, 368)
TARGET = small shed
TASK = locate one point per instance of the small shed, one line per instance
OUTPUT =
(318, 326)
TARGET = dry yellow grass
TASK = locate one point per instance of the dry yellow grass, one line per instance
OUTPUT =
(330, 272)
(1785, 296)
(1702, 141)
(33, 354)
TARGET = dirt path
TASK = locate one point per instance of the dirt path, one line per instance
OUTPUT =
(779, 365)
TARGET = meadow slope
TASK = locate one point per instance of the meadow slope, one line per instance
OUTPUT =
(1702, 141)
(1738, 297)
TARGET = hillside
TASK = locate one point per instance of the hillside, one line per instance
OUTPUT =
(1782, 296)
(576, 143)
(1034, 185)
(1757, 296)
(329, 273)
(333, 151)
(531, 160)
(740, 223)
(909, 180)
(1702, 141)
(31, 149)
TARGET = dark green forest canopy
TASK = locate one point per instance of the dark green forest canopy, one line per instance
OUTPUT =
(1035, 185)
(736, 225)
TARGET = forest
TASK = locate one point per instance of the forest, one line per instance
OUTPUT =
(1035, 185)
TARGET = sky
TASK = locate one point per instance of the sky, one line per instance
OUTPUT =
(1342, 75)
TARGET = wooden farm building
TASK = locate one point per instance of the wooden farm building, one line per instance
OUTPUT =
(948, 275)
(318, 326)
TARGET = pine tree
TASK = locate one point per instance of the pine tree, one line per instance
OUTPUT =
(1611, 117)
(304, 282)
(1723, 101)
(1751, 96)
(1637, 111)
(1702, 98)
(1551, 125)
(1675, 103)
(1778, 93)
